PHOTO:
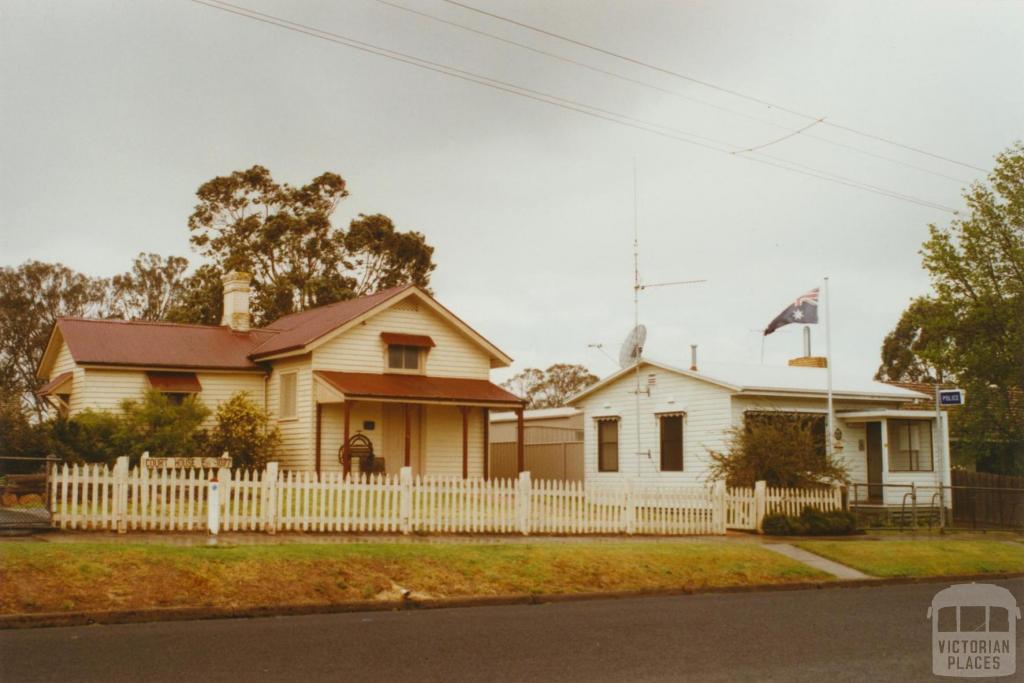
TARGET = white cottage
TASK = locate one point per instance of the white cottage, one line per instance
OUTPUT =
(662, 434)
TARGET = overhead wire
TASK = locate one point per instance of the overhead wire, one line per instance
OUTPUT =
(708, 84)
(668, 91)
(587, 109)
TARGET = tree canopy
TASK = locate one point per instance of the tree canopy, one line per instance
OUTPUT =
(550, 388)
(283, 236)
(280, 234)
(970, 328)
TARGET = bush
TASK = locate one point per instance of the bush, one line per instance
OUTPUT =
(154, 423)
(162, 427)
(244, 430)
(783, 449)
(811, 522)
(91, 436)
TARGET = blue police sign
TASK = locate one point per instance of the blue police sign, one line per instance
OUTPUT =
(951, 397)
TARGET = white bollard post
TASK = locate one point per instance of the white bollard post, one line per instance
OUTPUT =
(213, 506)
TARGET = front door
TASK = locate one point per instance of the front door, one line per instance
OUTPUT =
(874, 447)
(394, 437)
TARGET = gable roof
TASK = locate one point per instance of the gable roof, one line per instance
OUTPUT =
(295, 331)
(773, 379)
(154, 344)
(174, 345)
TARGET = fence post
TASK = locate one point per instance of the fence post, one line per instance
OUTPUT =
(121, 494)
(270, 497)
(718, 507)
(837, 496)
(405, 499)
(523, 492)
(144, 515)
(224, 499)
(629, 510)
(760, 504)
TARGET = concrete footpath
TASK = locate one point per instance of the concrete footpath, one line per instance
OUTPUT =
(840, 571)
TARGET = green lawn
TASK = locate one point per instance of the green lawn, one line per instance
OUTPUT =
(925, 557)
(54, 577)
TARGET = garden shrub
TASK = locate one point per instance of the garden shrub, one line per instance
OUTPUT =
(244, 430)
(811, 522)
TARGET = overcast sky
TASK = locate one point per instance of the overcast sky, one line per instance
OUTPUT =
(113, 113)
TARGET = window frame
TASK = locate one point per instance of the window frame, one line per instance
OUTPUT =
(601, 445)
(891, 438)
(661, 440)
(293, 377)
(406, 350)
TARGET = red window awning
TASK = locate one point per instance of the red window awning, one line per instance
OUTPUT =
(175, 382)
(419, 388)
(420, 340)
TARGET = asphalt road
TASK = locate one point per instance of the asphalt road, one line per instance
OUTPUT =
(839, 634)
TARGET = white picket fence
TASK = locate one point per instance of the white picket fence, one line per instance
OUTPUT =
(746, 507)
(96, 497)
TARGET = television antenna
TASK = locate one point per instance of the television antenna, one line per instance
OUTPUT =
(633, 346)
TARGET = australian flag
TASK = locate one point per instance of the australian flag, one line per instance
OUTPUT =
(803, 311)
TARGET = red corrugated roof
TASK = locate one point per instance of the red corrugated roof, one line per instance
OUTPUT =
(418, 387)
(162, 345)
(173, 345)
(298, 329)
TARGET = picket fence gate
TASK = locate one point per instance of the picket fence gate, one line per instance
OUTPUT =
(746, 507)
(97, 497)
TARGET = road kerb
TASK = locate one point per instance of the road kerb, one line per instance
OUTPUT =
(110, 617)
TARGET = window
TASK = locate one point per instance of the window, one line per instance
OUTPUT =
(175, 398)
(286, 407)
(402, 357)
(910, 446)
(671, 442)
(607, 445)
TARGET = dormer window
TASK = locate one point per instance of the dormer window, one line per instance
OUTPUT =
(403, 357)
(406, 352)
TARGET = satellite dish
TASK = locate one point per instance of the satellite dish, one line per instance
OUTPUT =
(633, 346)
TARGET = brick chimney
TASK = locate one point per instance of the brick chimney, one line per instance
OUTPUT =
(236, 300)
(809, 362)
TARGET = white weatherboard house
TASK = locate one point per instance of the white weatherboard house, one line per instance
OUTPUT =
(684, 413)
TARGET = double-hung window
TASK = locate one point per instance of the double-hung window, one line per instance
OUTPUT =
(910, 446)
(671, 429)
(403, 357)
(288, 389)
(608, 445)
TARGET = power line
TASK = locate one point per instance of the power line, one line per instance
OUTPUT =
(707, 84)
(668, 91)
(583, 108)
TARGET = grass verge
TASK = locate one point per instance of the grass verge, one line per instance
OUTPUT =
(922, 557)
(44, 577)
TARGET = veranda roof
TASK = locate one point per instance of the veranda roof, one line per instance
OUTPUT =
(453, 390)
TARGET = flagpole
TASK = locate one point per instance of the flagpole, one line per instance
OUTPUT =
(828, 369)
